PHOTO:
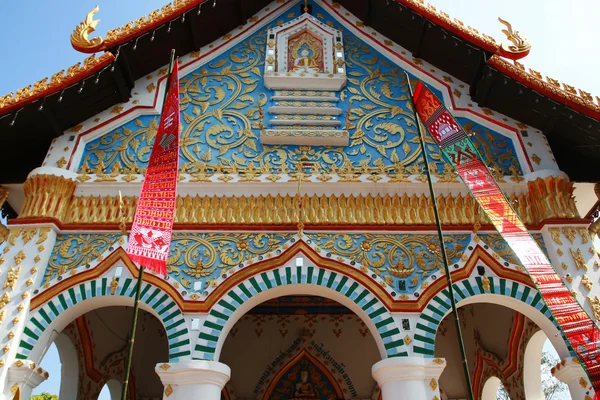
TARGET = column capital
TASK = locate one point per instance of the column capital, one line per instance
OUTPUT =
(26, 375)
(407, 368)
(193, 379)
(194, 372)
(568, 371)
(571, 372)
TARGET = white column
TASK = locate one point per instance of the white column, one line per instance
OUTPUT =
(25, 375)
(571, 372)
(194, 379)
(409, 378)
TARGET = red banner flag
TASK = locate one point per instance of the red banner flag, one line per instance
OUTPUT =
(152, 228)
(580, 332)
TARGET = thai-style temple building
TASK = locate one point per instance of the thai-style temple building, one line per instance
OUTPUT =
(305, 262)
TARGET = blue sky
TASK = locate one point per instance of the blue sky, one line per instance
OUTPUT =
(564, 35)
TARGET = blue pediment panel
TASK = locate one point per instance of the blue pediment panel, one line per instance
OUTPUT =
(223, 107)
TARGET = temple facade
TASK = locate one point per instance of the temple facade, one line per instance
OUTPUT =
(305, 261)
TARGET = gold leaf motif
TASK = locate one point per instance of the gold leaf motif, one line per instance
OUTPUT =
(578, 259)
(555, 233)
(165, 367)
(168, 390)
(61, 162)
(407, 340)
(11, 278)
(587, 282)
(19, 257)
(438, 361)
(485, 282)
(569, 233)
(4, 300)
(43, 235)
(14, 234)
(583, 233)
(433, 384)
(28, 234)
(583, 383)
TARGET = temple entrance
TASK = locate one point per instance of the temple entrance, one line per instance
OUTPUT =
(300, 347)
(506, 352)
(93, 352)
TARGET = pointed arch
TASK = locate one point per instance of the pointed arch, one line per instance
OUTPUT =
(76, 300)
(303, 354)
(286, 280)
(512, 294)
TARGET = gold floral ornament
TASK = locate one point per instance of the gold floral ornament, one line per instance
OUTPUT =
(80, 37)
(4, 232)
(520, 46)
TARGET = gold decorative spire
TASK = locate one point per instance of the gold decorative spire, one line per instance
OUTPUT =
(80, 37)
(302, 164)
(122, 225)
(520, 45)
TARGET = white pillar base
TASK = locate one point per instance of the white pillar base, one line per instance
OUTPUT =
(409, 378)
(571, 372)
(194, 379)
(26, 375)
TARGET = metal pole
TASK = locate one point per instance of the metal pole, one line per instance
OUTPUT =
(132, 334)
(140, 277)
(442, 245)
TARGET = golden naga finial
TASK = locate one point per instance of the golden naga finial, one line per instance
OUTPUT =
(520, 47)
(80, 37)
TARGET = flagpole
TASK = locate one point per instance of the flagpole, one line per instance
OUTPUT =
(442, 244)
(138, 289)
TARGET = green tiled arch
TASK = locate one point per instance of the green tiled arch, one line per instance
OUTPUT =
(435, 311)
(221, 312)
(165, 307)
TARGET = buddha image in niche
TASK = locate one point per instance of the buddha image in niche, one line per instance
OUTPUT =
(305, 54)
(304, 389)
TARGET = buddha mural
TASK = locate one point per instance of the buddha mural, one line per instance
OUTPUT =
(305, 53)
(304, 389)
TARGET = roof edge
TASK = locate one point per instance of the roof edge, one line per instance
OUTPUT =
(58, 81)
(580, 101)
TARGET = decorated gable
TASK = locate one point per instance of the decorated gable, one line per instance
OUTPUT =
(227, 107)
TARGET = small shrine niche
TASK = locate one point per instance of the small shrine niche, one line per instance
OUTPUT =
(305, 54)
(305, 66)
